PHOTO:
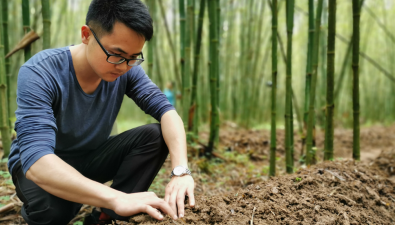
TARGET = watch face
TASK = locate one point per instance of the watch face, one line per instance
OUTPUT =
(178, 170)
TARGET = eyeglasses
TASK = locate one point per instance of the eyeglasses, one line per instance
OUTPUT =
(117, 59)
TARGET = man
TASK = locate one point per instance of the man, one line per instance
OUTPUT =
(68, 100)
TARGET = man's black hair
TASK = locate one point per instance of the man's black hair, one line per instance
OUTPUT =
(103, 14)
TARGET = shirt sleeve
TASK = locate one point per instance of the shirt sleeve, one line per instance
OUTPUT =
(146, 94)
(35, 125)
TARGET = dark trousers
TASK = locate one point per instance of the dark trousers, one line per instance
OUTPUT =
(131, 159)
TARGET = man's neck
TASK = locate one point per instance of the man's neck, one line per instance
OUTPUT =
(87, 78)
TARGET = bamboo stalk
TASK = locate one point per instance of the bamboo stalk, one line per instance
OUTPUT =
(288, 83)
(309, 65)
(218, 24)
(330, 106)
(26, 26)
(181, 5)
(355, 66)
(198, 43)
(7, 61)
(46, 24)
(213, 33)
(310, 124)
(151, 43)
(321, 83)
(187, 64)
(4, 117)
(273, 144)
(294, 100)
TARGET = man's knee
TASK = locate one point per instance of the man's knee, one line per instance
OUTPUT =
(154, 131)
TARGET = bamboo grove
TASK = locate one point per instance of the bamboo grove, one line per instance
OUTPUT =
(286, 65)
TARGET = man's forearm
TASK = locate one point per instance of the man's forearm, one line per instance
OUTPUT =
(60, 179)
(174, 135)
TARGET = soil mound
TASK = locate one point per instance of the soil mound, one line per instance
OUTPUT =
(341, 192)
(386, 162)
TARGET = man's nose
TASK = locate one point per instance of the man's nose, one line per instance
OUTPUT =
(123, 66)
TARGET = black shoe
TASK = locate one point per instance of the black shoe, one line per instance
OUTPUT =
(98, 218)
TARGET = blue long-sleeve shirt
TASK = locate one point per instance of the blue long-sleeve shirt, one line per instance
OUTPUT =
(55, 116)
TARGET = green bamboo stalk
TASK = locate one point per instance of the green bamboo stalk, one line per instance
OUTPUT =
(213, 34)
(198, 42)
(309, 65)
(294, 100)
(151, 44)
(321, 85)
(273, 143)
(310, 122)
(182, 55)
(218, 22)
(330, 106)
(5, 38)
(355, 66)
(4, 120)
(7, 61)
(288, 85)
(26, 26)
(46, 24)
(187, 64)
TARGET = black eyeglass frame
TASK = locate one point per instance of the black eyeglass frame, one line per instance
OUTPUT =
(136, 63)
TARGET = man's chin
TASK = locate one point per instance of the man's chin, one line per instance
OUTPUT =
(110, 78)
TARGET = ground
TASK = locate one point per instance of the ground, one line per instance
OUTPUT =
(234, 187)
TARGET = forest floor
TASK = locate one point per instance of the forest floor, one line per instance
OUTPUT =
(233, 188)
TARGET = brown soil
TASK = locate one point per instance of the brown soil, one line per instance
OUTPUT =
(340, 192)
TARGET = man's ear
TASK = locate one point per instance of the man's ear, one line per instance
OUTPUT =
(85, 34)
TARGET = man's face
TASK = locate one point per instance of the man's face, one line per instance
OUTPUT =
(122, 41)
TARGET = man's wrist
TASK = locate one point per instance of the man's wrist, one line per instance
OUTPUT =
(180, 171)
(111, 200)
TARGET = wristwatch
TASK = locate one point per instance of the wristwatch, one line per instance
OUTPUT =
(180, 171)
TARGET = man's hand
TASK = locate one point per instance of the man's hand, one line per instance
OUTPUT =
(176, 191)
(146, 202)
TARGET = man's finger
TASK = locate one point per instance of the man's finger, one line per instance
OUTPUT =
(180, 201)
(164, 207)
(154, 213)
(191, 197)
(173, 199)
(168, 193)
